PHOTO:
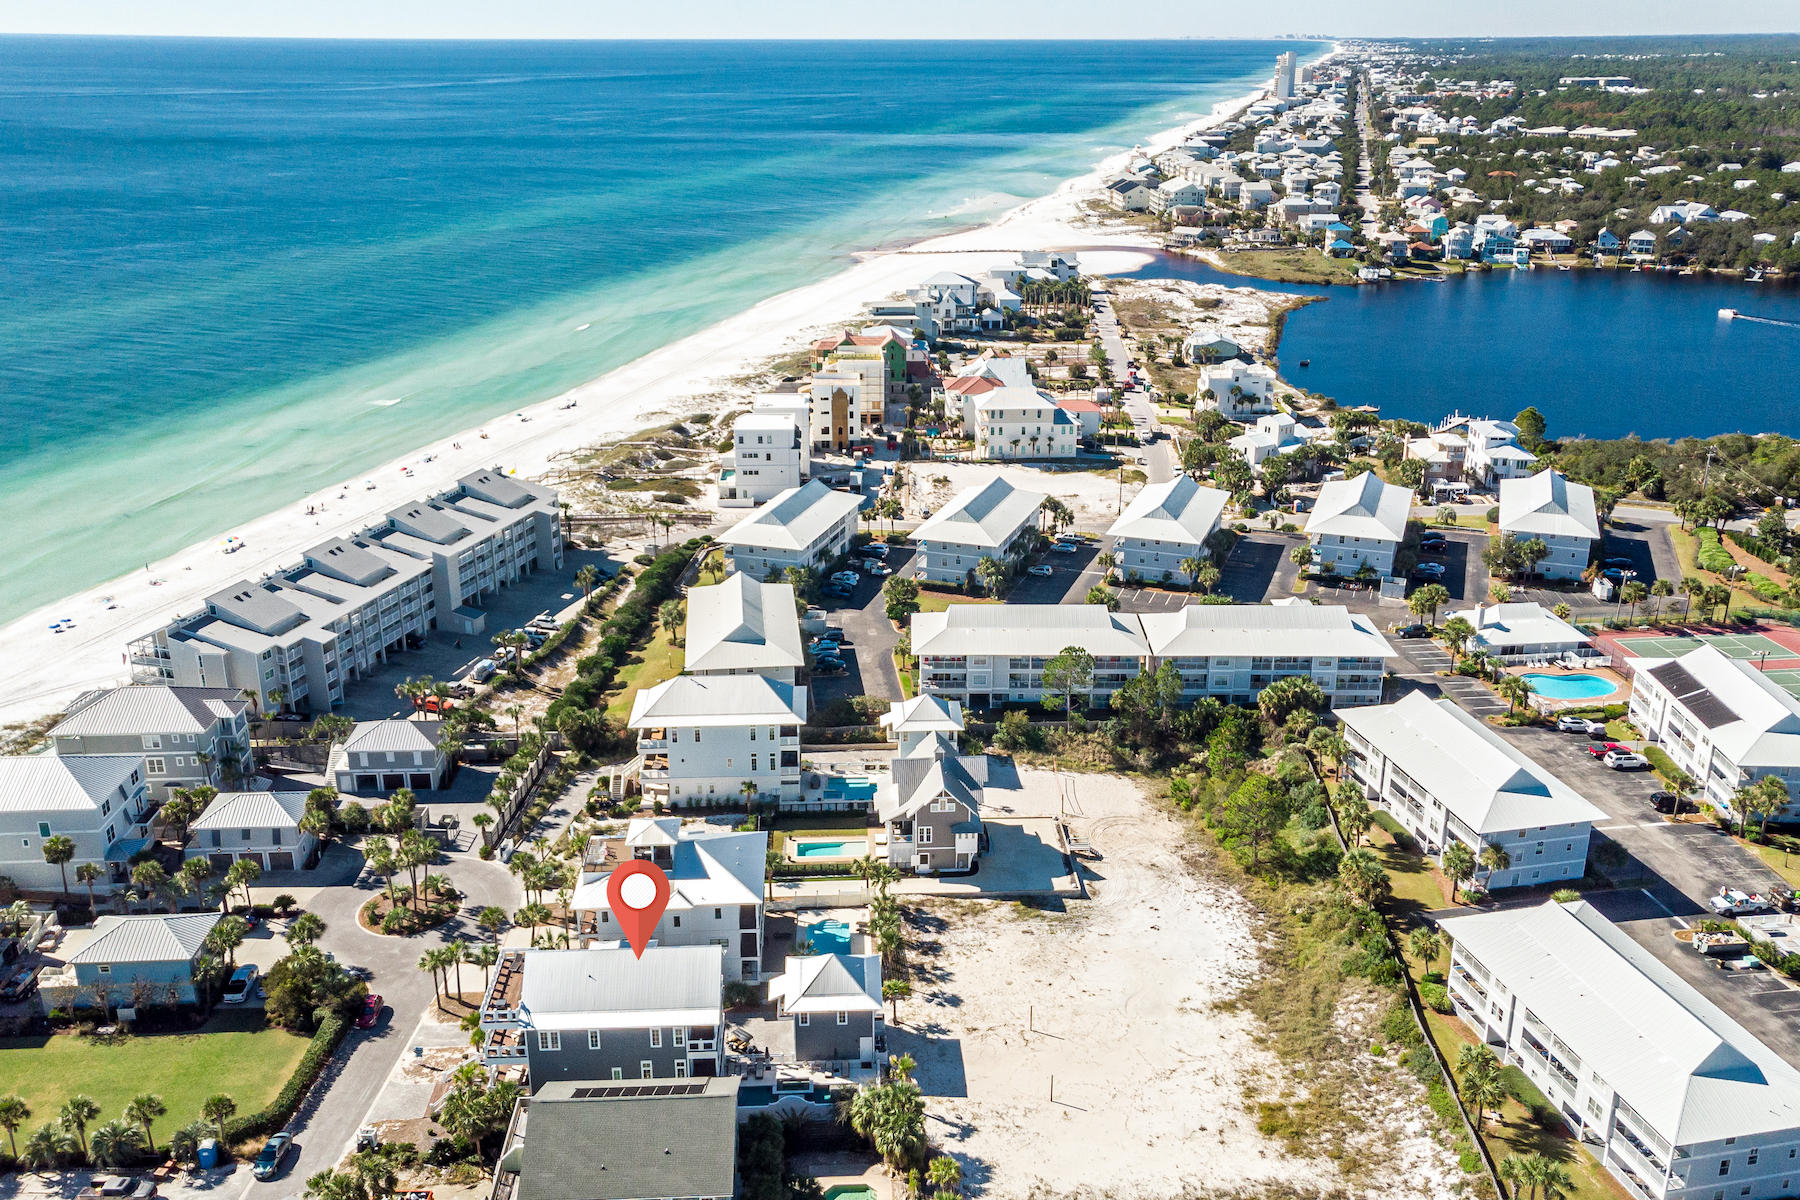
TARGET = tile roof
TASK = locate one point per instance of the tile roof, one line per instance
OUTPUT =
(151, 708)
(147, 939)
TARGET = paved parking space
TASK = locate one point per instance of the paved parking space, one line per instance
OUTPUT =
(1153, 600)
(1071, 575)
(870, 638)
(1647, 546)
(1258, 569)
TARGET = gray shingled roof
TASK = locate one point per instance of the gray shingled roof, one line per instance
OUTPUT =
(150, 708)
(613, 1145)
(147, 939)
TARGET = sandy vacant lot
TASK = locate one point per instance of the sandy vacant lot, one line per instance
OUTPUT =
(1119, 994)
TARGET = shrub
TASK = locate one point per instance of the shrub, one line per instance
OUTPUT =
(1712, 556)
(1764, 587)
(1493, 516)
(318, 1053)
(1398, 1028)
(644, 559)
(1435, 997)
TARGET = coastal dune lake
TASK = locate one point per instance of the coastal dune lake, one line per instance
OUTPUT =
(1600, 353)
(236, 272)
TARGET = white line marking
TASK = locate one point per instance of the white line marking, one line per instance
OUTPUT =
(1664, 907)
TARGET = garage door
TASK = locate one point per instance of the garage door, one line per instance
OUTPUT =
(420, 783)
(365, 783)
(281, 860)
(221, 863)
(392, 783)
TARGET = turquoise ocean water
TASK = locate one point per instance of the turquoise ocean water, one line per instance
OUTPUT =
(232, 273)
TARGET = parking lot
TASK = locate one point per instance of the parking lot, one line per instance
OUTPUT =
(1465, 575)
(868, 650)
(1258, 568)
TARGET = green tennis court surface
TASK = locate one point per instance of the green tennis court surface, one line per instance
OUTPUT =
(1732, 645)
(1788, 681)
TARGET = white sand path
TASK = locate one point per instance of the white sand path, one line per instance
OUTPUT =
(47, 668)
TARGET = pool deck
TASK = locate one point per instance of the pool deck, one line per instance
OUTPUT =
(1621, 688)
(837, 1168)
(848, 837)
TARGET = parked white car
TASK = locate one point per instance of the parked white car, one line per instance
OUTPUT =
(1625, 760)
(241, 986)
(1571, 724)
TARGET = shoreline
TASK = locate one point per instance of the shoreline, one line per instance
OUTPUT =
(667, 383)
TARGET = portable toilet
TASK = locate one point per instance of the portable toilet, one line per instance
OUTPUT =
(207, 1154)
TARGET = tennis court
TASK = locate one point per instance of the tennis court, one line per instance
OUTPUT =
(1732, 645)
(1787, 680)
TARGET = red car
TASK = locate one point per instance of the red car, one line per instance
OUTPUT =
(370, 1014)
(1602, 749)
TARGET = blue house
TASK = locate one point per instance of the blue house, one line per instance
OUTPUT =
(136, 961)
(1337, 247)
(1607, 241)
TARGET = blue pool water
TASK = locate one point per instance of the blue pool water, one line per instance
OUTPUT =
(828, 937)
(856, 788)
(828, 849)
(1569, 687)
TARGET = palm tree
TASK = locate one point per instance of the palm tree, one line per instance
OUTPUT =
(1355, 816)
(1361, 874)
(88, 873)
(1425, 944)
(1633, 593)
(305, 929)
(1301, 556)
(1495, 858)
(219, 1109)
(894, 991)
(531, 916)
(586, 578)
(1106, 560)
(76, 1112)
(1459, 865)
(1512, 1171)
(58, 852)
(944, 1174)
(48, 1147)
(145, 1109)
(1190, 567)
(14, 1112)
(493, 919)
(483, 821)
(433, 961)
(1456, 633)
(485, 956)
(1690, 588)
(115, 1144)
(515, 711)
(991, 574)
(1515, 690)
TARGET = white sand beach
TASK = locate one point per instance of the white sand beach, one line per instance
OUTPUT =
(48, 668)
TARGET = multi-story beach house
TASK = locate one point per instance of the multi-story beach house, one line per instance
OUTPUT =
(262, 827)
(715, 889)
(381, 757)
(1559, 513)
(743, 627)
(1472, 450)
(983, 655)
(1272, 434)
(1356, 523)
(834, 1002)
(771, 451)
(719, 740)
(1019, 422)
(1239, 390)
(1720, 720)
(1231, 652)
(101, 802)
(995, 520)
(1164, 528)
(809, 526)
(295, 637)
(1678, 1100)
(930, 803)
(188, 737)
(1448, 778)
(606, 1014)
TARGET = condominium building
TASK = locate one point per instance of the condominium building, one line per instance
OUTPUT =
(771, 451)
(188, 737)
(606, 1014)
(1019, 422)
(995, 520)
(101, 802)
(294, 638)
(1239, 390)
(1357, 523)
(1164, 527)
(719, 740)
(715, 889)
(809, 526)
(1448, 778)
(1231, 652)
(983, 655)
(1675, 1098)
(743, 627)
(1285, 65)
(1720, 720)
(1557, 512)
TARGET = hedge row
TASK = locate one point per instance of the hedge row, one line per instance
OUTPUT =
(813, 870)
(281, 1109)
(591, 605)
(1713, 556)
(628, 627)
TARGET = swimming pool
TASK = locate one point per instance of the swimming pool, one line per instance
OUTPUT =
(854, 849)
(828, 937)
(850, 1191)
(1570, 687)
(851, 787)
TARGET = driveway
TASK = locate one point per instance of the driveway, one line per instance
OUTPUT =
(869, 651)
(1072, 575)
(1258, 569)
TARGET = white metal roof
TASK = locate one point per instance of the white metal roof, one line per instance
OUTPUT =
(1520, 623)
(1240, 630)
(147, 939)
(1484, 780)
(253, 810)
(1179, 511)
(793, 519)
(986, 516)
(704, 701)
(829, 983)
(742, 625)
(1019, 629)
(1750, 717)
(32, 783)
(1362, 507)
(923, 714)
(394, 736)
(714, 868)
(1686, 1067)
(615, 989)
(151, 708)
(1547, 504)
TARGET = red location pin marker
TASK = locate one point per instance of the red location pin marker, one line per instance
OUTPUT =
(638, 892)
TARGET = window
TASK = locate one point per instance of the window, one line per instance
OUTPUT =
(678, 922)
(1724, 1166)
(655, 1038)
(1751, 1161)
(924, 835)
(105, 968)
(681, 1068)
(843, 1018)
(646, 1070)
(593, 1039)
(43, 829)
(549, 1039)
(154, 765)
(718, 914)
(152, 741)
(805, 1019)
(619, 1073)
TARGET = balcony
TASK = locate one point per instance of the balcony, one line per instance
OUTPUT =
(503, 1046)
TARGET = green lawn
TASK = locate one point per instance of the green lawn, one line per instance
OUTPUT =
(233, 1054)
(939, 601)
(660, 659)
(1782, 863)
(1418, 887)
